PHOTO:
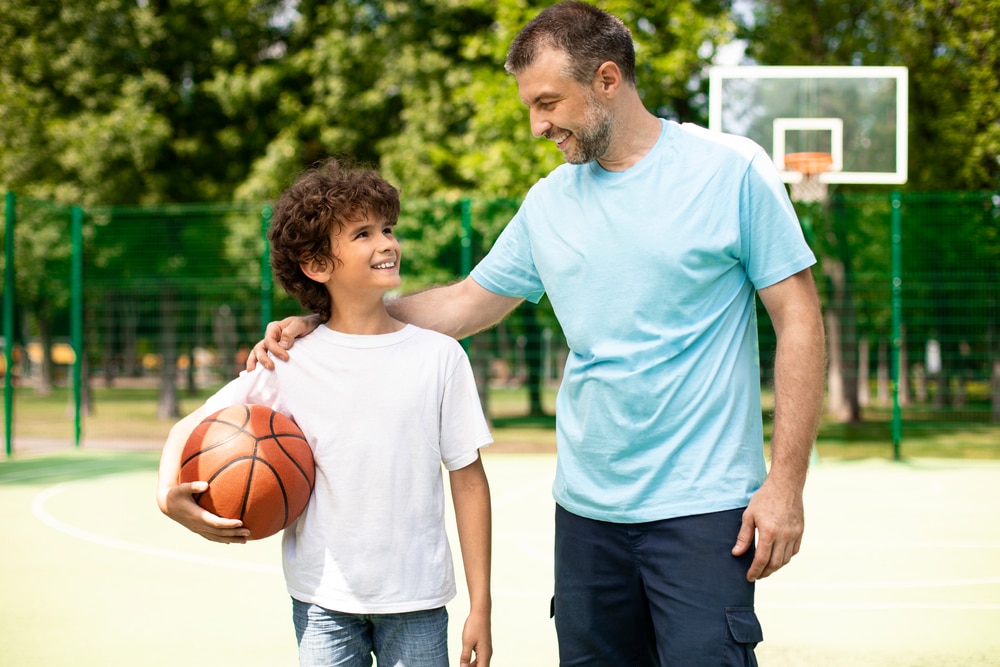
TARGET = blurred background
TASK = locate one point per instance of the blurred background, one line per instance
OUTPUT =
(141, 143)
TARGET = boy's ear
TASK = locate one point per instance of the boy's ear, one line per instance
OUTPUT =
(317, 270)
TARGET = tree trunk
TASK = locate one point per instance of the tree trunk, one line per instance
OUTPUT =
(533, 358)
(46, 379)
(169, 404)
(995, 391)
(842, 345)
(882, 396)
(110, 353)
(863, 370)
(903, 381)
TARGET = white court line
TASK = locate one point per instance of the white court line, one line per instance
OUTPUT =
(871, 585)
(525, 546)
(903, 544)
(875, 606)
(38, 509)
(89, 468)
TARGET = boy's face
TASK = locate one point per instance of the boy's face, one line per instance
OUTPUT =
(367, 258)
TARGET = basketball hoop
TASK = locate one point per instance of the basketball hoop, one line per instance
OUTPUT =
(809, 188)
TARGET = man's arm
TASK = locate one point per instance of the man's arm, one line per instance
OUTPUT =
(471, 495)
(459, 310)
(776, 511)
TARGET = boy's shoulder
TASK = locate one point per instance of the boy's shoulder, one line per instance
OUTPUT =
(435, 338)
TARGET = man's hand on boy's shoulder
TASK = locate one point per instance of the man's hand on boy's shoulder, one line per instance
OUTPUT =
(278, 338)
(179, 505)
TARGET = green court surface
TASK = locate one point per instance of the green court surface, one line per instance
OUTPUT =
(900, 566)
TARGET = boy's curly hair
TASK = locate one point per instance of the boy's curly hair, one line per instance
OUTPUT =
(316, 207)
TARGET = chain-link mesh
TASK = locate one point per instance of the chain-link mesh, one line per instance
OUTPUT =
(174, 296)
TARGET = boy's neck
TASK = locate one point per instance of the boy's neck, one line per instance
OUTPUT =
(363, 321)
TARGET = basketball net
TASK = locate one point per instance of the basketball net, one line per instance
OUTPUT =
(809, 189)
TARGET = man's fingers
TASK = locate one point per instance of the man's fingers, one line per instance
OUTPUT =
(745, 537)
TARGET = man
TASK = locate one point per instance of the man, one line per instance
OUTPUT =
(650, 243)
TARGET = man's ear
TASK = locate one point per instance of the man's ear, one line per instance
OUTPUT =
(608, 78)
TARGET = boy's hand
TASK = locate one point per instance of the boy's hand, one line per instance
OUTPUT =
(477, 639)
(180, 506)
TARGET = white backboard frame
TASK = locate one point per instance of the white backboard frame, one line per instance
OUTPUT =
(717, 75)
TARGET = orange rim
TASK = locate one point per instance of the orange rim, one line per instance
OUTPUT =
(809, 163)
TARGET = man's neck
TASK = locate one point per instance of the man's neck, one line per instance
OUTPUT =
(636, 134)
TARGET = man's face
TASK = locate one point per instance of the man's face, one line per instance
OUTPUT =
(563, 110)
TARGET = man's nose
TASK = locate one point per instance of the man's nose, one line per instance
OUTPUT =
(539, 123)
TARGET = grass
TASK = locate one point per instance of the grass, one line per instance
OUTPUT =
(127, 417)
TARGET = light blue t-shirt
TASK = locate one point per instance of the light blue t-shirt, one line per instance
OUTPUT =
(652, 273)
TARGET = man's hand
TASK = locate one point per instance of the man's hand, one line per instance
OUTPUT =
(777, 516)
(278, 338)
(178, 504)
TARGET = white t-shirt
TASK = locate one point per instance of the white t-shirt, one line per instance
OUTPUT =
(382, 414)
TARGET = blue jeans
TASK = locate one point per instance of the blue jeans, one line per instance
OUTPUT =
(413, 639)
(653, 594)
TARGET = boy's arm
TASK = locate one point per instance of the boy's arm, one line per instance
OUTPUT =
(470, 492)
(176, 501)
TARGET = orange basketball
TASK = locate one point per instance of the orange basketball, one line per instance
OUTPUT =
(258, 465)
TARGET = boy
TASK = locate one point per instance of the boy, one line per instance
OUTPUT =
(383, 404)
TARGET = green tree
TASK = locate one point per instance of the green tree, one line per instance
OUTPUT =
(951, 51)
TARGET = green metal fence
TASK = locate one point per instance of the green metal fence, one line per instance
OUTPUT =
(120, 319)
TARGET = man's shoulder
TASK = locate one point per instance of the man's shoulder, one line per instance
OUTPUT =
(722, 141)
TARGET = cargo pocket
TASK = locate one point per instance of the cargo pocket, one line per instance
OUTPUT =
(745, 633)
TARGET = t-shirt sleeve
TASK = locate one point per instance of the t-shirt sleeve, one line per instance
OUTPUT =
(773, 246)
(509, 269)
(463, 425)
(258, 387)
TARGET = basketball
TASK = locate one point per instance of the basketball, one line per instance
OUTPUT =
(258, 465)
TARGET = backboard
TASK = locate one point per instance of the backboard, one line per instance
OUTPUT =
(855, 117)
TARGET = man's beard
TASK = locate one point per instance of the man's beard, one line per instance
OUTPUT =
(593, 139)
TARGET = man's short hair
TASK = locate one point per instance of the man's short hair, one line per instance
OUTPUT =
(588, 35)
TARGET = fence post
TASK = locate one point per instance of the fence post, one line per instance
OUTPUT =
(8, 323)
(897, 320)
(76, 320)
(266, 280)
(466, 244)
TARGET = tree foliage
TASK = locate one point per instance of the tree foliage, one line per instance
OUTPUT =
(122, 102)
(951, 49)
